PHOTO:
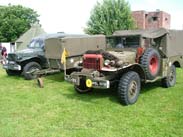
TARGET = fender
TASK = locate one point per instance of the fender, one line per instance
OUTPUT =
(42, 61)
(40, 58)
(137, 68)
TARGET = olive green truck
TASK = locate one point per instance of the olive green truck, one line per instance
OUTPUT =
(76, 46)
(31, 58)
(43, 54)
(132, 57)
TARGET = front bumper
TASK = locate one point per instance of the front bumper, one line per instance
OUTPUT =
(12, 66)
(91, 82)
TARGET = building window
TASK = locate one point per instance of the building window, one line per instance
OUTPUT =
(154, 18)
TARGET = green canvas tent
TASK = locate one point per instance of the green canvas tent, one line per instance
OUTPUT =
(23, 40)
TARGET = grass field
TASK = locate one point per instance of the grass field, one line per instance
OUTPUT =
(58, 111)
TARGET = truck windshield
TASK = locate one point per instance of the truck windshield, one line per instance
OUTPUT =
(123, 42)
(36, 43)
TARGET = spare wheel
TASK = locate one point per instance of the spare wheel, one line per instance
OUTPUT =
(150, 61)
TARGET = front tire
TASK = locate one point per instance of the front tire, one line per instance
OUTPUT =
(82, 88)
(170, 80)
(129, 88)
(30, 67)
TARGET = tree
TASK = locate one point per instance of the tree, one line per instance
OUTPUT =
(109, 16)
(14, 21)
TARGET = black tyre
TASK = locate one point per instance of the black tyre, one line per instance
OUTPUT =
(150, 61)
(82, 88)
(129, 88)
(29, 67)
(13, 72)
(170, 80)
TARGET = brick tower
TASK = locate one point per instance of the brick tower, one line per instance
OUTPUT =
(149, 20)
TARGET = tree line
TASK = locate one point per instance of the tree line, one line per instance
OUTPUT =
(14, 21)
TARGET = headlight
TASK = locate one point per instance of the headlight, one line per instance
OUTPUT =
(71, 60)
(19, 58)
(80, 61)
(106, 62)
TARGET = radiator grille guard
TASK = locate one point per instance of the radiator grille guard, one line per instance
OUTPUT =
(12, 57)
(93, 61)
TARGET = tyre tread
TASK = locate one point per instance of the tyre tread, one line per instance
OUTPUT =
(123, 87)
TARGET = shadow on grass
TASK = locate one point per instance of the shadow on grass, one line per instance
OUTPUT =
(147, 87)
(59, 77)
(96, 94)
(13, 77)
(106, 93)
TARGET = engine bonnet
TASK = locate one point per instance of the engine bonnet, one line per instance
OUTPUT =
(124, 56)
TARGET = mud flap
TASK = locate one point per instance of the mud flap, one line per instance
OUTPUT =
(40, 82)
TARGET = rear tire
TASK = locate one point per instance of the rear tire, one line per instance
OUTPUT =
(150, 61)
(129, 88)
(29, 67)
(170, 80)
(82, 88)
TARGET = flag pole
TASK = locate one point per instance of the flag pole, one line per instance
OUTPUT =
(63, 59)
(65, 68)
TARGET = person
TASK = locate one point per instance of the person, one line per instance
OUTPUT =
(120, 43)
(1, 57)
(4, 55)
(4, 52)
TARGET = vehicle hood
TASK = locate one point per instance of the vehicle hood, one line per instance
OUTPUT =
(127, 57)
(22, 54)
(28, 52)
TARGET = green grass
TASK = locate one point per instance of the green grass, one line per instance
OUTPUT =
(57, 110)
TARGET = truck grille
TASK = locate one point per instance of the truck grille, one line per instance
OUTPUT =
(92, 61)
(12, 57)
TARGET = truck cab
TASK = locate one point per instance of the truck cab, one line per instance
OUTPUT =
(31, 58)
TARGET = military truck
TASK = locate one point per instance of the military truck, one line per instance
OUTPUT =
(32, 58)
(75, 46)
(132, 57)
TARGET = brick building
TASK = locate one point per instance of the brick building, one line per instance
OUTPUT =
(149, 20)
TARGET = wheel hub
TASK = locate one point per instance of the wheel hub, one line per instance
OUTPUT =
(132, 89)
(153, 65)
(171, 77)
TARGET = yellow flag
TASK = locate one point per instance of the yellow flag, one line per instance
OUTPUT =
(64, 55)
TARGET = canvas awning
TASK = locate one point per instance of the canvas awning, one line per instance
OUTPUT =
(151, 33)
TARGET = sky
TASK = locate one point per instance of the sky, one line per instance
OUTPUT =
(71, 16)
